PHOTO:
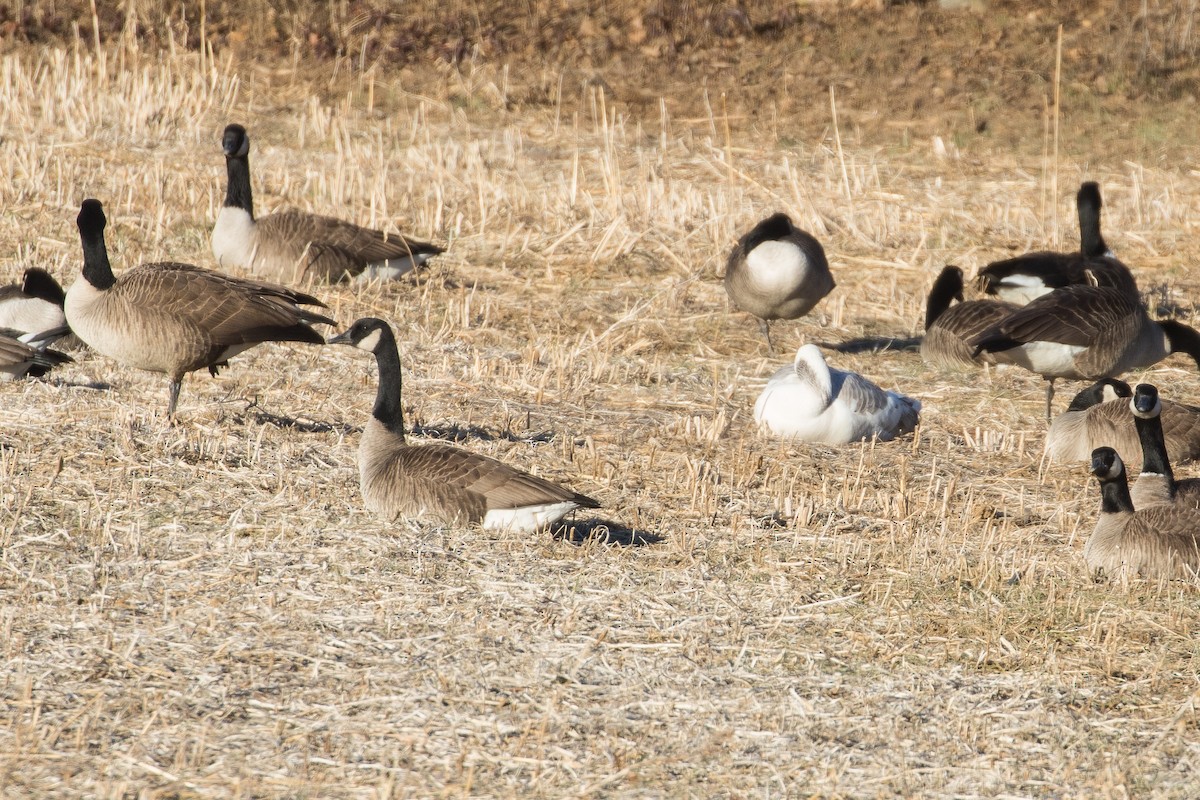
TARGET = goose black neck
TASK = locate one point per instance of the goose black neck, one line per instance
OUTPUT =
(947, 287)
(96, 268)
(1181, 338)
(388, 409)
(1154, 447)
(1091, 242)
(237, 193)
(1114, 495)
(41, 284)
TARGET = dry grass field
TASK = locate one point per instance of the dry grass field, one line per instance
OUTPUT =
(206, 610)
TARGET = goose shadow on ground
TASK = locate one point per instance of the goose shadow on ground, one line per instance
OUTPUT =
(605, 531)
(873, 344)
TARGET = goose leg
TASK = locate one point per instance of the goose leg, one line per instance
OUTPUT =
(765, 326)
(1049, 396)
(176, 383)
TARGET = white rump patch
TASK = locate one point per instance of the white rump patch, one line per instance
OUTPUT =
(527, 519)
(391, 269)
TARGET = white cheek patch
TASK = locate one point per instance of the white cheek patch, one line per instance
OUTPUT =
(370, 341)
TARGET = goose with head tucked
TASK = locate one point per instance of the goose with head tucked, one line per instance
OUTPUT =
(33, 305)
(1159, 541)
(949, 328)
(1025, 278)
(294, 246)
(177, 318)
(438, 482)
(777, 271)
(809, 401)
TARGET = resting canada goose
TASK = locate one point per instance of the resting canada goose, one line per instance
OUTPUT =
(31, 357)
(1084, 332)
(1157, 541)
(1024, 278)
(33, 305)
(809, 401)
(949, 328)
(777, 271)
(1156, 483)
(177, 318)
(438, 481)
(291, 246)
(1101, 415)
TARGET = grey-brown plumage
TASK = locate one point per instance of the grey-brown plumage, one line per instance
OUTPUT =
(1155, 542)
(18, 358)
(1084, 332)
(439, 482)
(1156, 483)
(293, 246)
(177, 318)
(777, 271)
(1027, 277)
(1100, 415)
(948, 329)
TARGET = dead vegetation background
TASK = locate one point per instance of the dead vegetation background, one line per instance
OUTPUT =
(206, 611)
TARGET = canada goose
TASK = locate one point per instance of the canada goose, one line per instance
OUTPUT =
(1157, 541)
(1101, 415)
(949, 328)
(439, 481)
(1024, 278)
(20, 358)
(1156, 483)
(777, 271)
(809, 401)
(33, 305)
(291, 246)
(1084, 332)
(177, 318)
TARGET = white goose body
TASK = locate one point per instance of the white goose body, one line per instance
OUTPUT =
(811, 402)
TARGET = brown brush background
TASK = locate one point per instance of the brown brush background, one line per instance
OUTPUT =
(205, 610)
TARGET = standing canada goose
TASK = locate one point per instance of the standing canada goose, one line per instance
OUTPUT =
(809, 401)
(1157, 541)
(19, 358)
(1025, 278)
(33, 305)
(777, 271)
(949, 328)
(291, 246)
(1156, 483)
(1085, 333)
(177, 318)
(438, 481)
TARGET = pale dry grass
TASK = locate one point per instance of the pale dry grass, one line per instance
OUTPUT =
(206, 610)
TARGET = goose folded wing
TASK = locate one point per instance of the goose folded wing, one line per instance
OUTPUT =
(1073, 315)
(500, 485)
(860, 395)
